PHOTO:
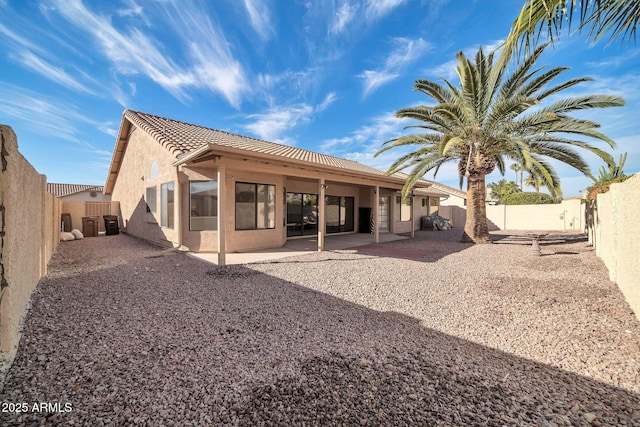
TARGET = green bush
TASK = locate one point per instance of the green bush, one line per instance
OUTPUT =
(528, 198)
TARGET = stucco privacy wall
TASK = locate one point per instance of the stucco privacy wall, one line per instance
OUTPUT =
(617, 237)
(567, 215)
(30, 221)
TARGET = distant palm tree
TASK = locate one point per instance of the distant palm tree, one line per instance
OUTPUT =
(503, 188)
(618, 18)
(534, 180)
(492, 118)
(518, 169)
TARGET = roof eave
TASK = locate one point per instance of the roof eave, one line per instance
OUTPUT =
(221, 150)
(118, 153)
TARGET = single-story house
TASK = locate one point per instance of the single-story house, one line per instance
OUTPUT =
(205, 190)
(79, 201)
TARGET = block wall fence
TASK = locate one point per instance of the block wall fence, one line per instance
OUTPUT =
(29, 217)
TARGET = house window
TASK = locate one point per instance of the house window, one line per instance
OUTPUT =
(152, 199)
(203, 205)
(425, 202)
(403, 209)
(255, 206)
(339, 214)
(166, 205)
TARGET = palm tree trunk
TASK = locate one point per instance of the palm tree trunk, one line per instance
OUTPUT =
(476, 229)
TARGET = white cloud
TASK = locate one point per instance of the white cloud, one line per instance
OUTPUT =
(328, 100)
(405, 52)
(273, 125)
(376, 9)
(365, 141)
(374, 79)
(45, 69)
(133, 9)
(277, 120)
(342, 18)
(16, 41)
(49, 117)
(134, 52)
(260, 17)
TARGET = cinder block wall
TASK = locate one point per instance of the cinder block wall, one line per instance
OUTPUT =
(617, 237)
(30, 223)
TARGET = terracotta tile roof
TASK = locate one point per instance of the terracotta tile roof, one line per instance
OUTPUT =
(181, 138)
(61, 190)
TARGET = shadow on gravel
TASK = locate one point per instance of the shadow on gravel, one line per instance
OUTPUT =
(426, 246)
(170, 340)
(550, 239)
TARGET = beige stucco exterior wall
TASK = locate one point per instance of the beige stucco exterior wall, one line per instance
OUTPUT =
(31, 236)
(568, 215)
(617, 240)
(453, 200)
(130, 188)
(86, 196)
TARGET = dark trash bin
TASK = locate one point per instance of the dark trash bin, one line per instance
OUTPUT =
(426, 223)
(90, 226)
(111, 224)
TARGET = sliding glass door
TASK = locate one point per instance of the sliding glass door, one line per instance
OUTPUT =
(302, 214)
(340, 214)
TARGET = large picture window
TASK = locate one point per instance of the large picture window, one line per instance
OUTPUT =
(152, 199)
(403, 209)
(255, 206)
(203, 205)
(166, 205)
(339, 212)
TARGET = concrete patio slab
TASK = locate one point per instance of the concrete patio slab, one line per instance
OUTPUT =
(302, 246)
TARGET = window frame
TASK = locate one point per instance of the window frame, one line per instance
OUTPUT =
(152, 205)
(167, 216)
(191, 227)
(271, 204)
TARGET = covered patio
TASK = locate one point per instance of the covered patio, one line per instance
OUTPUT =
(300, 246)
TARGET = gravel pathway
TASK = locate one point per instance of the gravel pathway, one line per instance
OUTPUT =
(121, 333)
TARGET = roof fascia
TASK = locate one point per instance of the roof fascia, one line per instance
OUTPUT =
(261, 157)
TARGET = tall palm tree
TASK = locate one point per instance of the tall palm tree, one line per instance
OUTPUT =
(618, 18)
(492, 118)
(518, 169)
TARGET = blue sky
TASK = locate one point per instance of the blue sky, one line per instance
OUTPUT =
(322, 75)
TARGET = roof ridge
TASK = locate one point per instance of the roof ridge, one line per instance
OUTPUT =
(284, 146)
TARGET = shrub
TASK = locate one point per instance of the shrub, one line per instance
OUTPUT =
(528, 198)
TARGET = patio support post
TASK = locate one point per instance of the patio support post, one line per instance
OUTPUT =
(178, 204)
(322, 223)
(222, 216)
(376, 214)
(413, 215)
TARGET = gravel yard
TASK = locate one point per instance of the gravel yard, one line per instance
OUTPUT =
(424, 331)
